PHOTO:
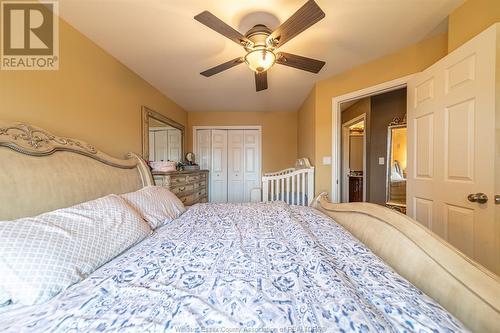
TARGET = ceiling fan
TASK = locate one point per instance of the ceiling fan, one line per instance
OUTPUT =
(261, 43)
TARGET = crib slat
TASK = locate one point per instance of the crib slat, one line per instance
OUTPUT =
(282, 189)
(288, 190)
(303, 189)
(277, 189)
(278, 193)
(293, 189)
(298, 190)
(272, 189)
(299, 197)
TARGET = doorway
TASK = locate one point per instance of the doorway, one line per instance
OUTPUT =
(354, 160)
(373, 149)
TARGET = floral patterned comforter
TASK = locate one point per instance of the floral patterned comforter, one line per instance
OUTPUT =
(241, 268)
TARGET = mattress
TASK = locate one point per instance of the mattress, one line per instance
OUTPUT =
(241, 266)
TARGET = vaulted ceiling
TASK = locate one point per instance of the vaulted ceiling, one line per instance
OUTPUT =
(160, 41)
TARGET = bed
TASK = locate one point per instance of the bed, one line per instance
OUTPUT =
(354, 267)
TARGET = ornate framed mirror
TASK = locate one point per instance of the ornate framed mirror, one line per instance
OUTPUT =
(162, 137)
(396, 164)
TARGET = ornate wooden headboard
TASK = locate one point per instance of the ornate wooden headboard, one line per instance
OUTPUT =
(40, 172)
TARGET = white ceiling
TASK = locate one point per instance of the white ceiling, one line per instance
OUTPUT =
(160, 40)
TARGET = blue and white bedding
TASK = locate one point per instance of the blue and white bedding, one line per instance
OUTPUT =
(237, 266)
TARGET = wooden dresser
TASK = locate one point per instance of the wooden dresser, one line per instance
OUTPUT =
(189, 186)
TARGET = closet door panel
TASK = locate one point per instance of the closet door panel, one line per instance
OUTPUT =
(218, 171)
(161, 145)
(252, 162)
(174, 145)
(236, 164)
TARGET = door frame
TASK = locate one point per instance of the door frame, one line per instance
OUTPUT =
(377, 89)
(346, 156)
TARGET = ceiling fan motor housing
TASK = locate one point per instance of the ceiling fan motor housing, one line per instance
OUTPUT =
(258, 35)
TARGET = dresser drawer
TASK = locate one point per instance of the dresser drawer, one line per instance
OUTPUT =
(180, 190)
(178, 180)
(193, 178)
(202, 192)
(200, 184)
(189, 187)
(187, 200)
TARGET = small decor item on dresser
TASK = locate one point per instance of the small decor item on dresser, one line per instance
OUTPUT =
(190, 163)
(163, 166)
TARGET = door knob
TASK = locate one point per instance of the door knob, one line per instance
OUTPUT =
(478, 197)
(497, 199)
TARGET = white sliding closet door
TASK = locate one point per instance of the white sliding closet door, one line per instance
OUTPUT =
(218, 170)
(252, 162)
(236, 165)
(234, 159)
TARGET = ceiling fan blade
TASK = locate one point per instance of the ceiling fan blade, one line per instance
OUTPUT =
(302, 19)
(222, 67)
(214, 23)
(299, 62)
(260, 81)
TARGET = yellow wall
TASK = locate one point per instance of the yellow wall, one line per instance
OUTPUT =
(471, 18)
(305, 127)
(279, 133)
(91, 97)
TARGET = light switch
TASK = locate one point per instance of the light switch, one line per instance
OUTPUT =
(381, 161)
(327, 160)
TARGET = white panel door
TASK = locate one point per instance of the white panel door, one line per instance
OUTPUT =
(175, 145)
(203, 148)
(161, 145)
(235, 166)
(252, 162)
(451, 149)
(218, 169)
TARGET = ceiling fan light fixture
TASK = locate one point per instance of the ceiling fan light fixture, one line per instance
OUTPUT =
(260, 60)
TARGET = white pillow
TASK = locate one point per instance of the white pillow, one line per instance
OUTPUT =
(156, 204)
(43, 255)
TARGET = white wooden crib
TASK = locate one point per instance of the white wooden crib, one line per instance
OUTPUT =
(295, 185)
